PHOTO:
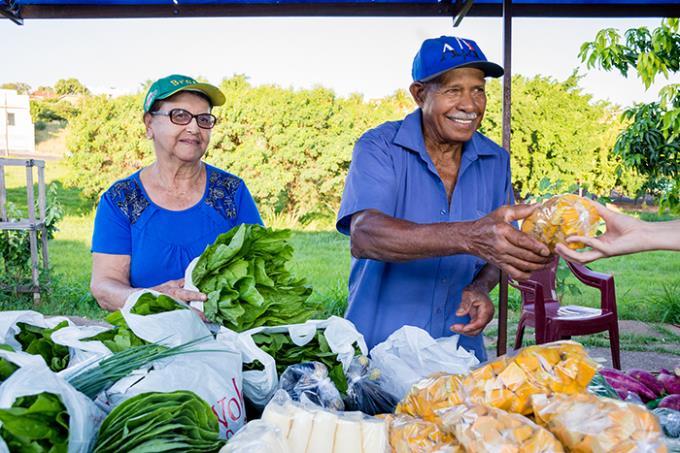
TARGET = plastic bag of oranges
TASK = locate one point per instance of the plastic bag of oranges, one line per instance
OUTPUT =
(560, 217)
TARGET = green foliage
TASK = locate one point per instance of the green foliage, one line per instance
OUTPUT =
(651, 143)
(15, 252)
(19, 87)
(558, 133)
(47, 110)
(70, 86)
(106, 142)
(38, 341)
(36, 423)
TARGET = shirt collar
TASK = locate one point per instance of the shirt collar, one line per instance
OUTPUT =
(410, 136)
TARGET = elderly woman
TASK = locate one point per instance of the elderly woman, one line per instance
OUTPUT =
(150, 225)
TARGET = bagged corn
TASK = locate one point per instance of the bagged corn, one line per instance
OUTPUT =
(587, 423)
(508, 382)
(560, 217)
(485, 429)
(414, 435)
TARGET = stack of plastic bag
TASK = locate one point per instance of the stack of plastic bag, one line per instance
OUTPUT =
(414, 435)
(308, 428)
(484, 429)
(587, 423)
(411, 354)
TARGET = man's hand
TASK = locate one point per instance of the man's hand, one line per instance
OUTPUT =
(476, 303)
(494, 239)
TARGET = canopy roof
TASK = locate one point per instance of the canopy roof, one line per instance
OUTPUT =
(63, 9)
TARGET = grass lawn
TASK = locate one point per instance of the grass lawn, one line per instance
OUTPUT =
(647, 285)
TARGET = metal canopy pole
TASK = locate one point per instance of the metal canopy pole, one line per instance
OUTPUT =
(501, 345)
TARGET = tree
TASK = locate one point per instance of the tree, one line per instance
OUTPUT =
(651, 142)
(70, 86)
(19, 87)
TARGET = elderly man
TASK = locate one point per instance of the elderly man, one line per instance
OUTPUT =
(426, 205)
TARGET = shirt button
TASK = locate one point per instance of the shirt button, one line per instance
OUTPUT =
(443, 212)
(439, 311)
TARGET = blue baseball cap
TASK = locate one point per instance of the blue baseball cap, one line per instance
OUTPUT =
(438, 55)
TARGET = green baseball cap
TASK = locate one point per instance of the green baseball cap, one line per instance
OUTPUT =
(172, 84)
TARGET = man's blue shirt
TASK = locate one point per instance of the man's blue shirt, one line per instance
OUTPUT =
(392, 172)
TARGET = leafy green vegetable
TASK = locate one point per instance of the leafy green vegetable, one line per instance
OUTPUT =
(38, 341)
(599, 386)
(36, 423)
(281, 347)
(122, 338)
(6, 367)
(245, 277)
(153, 422)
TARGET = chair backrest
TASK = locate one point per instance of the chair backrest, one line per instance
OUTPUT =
(546, 277)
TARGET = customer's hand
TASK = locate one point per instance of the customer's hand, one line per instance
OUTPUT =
(624, 235)
(476, 303)
(495, 240)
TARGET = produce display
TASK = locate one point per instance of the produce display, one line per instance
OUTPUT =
(484, 429)
(245, 277)
(587, 423)
(414, 435)
(560, 217)
(507, 382)
(286, 353)
(36, 423)
(151, 422)
(38, 340)
(662, 390)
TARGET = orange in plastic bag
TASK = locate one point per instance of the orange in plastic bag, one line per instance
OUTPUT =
(484, 429)
(560, 217)
(587, 423)
(414, 435)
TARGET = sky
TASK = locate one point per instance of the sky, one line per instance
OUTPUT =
(371, 56)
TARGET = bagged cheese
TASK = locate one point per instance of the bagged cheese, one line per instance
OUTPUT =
(588, 423)
(485, 429)
(414, 435)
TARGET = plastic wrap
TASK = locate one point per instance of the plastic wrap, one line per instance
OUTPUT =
(366, 390)
(507, 382)
(600, 387)
(485, 429)
(669, 420)
(414, 435)
(587, 423)
(560, 217)
(257, 436)
(311, 379)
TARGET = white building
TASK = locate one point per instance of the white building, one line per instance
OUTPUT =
(17, 134)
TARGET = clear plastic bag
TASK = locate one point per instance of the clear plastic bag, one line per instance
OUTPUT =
(257, 436)
(366, 391)
(507, 382)
(414, 435)
(600, 387)
(484, 429)
(311, 380)
(587, 423)
(560, 217)
(669, 420)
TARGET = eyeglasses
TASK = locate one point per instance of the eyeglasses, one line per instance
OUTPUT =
(182, 117)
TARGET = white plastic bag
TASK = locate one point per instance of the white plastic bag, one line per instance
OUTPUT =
(189, 284)
(411, 354)
(214, 374)
(260, 385)
(171, 328)
(21, 359)
(257, 436)
(81, 351)
(9, 328)
(84, 416)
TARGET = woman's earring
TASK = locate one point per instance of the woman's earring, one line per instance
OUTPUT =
(149, 135)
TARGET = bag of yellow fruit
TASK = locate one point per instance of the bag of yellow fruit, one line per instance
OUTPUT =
(414, 435)
(560, 217)
(485, 429)
(588, 423)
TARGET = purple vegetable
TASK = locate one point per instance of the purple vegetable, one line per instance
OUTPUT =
(648, 379)
(671, 383)
(671, 402)
(621, 381)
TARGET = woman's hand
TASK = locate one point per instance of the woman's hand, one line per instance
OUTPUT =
(175, 289)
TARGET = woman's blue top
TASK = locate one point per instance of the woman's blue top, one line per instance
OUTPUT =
(160, 242)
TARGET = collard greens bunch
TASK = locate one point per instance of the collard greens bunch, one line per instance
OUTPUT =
(245, 277)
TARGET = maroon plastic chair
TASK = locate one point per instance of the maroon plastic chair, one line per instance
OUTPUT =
(552, 321)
